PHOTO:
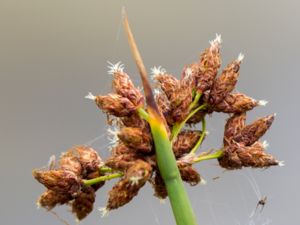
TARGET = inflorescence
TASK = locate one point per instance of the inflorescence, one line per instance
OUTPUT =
(200, 91)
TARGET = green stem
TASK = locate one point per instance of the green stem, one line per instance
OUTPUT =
(105, 169)
(143, 114)
(199, 142)
(196, 99)
(167, 165)
(214, 155)
(102, 178)
(177, 127)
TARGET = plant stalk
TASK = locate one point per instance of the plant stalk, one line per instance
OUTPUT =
(166, 160)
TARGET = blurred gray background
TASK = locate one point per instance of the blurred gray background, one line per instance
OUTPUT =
(53, 52)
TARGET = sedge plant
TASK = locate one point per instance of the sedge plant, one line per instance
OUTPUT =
(153, 143)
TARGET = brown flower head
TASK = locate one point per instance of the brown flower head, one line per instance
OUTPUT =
(226, 82)
(252, 132)
(49, 199)
(60, 181)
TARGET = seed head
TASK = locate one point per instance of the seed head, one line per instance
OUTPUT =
(60, 181)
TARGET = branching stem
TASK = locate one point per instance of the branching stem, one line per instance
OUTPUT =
(214, 155)
(102, 178)
(177, 127)
(199, 142)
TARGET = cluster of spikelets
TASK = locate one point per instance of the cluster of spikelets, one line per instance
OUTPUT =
(198, 92)
(63, 181)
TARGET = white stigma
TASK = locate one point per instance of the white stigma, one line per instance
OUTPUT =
(162, 201)
(265, 144)
(203, 182)
(216, 42)
(135, 180)
(281, 163)
(38, 204)
(262, 102)
(240, 57)
(51, 162)
(207, 133)
(104, 211)
(112, 135)
(114, 68)
(156, 92)
(157, 71)
(90, 96)
(188, 72)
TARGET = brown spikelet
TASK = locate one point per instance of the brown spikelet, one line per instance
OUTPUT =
(230, 158)
(225, 83)
(69, 161)
(189, 174)
(163, 105)
(116, 105)
(236, 103)
(185, 141)
(181, 100)
(88, 158)
(133, 120)
(236, 156)
(255, 156)
(168, 84)
(124, 87)
(121, 162)
(136, 138)
(49, 199)
(160, 190)
(252, 132)
(128, 187)
(210, 62)
(121, 149)
(233, 127)
(84, 203)
(60, 181)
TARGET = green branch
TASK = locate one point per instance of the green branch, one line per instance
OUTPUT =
(199, 142)
(178, 126)
(214, 155)
(102, 178)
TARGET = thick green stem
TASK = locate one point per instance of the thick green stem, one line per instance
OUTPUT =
(177, 127)
(214, 155)
(102, 178)
(166, 161)
(199, 142)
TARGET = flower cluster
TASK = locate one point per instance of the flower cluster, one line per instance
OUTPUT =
(64, 181)
(199, 91)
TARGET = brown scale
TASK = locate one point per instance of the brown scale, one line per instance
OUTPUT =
(83, 203)
(60, 181)
(252, 132)
(160, 190)
(115, 105)
(225, 83)
(236, 103)
(49, 199)
(233, 127)
(189, 174)
(123, 86)
(136, 138)
(210, 62)
(185, 141)
(128, 187)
